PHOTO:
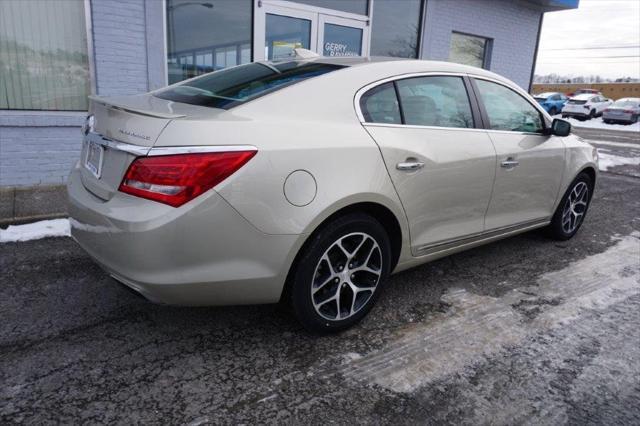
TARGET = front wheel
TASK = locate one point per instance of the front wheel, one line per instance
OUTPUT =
(340, 273)
(572, 208)
(592, 114)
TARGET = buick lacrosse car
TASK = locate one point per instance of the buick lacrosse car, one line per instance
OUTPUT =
(309, 181)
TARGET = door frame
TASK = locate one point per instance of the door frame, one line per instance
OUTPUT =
(317, 15)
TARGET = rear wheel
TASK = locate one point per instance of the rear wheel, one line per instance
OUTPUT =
(553, 111)
(572, 208)
(340, 273)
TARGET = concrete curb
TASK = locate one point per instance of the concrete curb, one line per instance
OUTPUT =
(28, 204)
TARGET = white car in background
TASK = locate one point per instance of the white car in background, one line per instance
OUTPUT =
(585, 106)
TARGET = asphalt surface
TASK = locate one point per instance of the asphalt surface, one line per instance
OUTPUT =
(523, 331)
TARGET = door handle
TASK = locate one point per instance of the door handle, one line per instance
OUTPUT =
(410, 165)
(509, 163)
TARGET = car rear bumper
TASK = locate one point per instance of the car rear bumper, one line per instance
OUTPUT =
(576, 114)
(622, 118)
(202, 253)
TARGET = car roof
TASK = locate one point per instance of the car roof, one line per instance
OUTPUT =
(403, 65)
(585, 96)
(547, 94)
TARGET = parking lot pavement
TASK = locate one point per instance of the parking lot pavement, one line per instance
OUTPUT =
(525, 330)
(619, 151)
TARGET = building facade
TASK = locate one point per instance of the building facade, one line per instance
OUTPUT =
(54, 53)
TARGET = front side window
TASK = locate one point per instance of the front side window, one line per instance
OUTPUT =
(207, 36)
(507, 110)
(470, 50)
(227, 88)
(380, 105)
(43, 66)
(435, 101)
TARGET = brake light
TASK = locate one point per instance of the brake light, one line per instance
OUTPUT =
(176, 179)
(628, 111)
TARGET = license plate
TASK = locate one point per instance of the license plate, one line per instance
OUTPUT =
(93, 160)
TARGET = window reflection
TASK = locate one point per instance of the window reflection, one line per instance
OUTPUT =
(203, 36)
(352, 6)
(395, 28)
(43, 66)
(469, 50)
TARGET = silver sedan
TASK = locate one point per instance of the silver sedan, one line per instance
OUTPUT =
(625, 110)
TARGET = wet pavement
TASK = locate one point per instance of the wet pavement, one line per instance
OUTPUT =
(525, 330)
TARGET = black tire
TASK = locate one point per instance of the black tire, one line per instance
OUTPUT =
(592, 114)
(556, 228)
(304, 273)
(634, 119)
(564, 115)
(553, 111)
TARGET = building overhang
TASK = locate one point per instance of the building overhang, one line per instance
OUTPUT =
(553, 5)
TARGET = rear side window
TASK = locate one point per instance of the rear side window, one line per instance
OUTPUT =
(380, 105)
(230, 87)
(507, 110)
(435, 101)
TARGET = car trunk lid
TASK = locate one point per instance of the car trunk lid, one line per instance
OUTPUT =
(131, 122)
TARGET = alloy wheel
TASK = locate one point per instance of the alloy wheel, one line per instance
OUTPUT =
(575, 207)
(346, 276)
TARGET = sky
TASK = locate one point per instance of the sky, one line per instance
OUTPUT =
(601, 37)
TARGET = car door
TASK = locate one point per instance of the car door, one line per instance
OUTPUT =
(530, 163)
(441, 164)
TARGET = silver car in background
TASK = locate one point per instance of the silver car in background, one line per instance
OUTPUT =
(625, 110)
(309, 181)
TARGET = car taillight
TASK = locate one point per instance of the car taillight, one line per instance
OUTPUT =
(176, 179)
(586, 107)
(628, 111)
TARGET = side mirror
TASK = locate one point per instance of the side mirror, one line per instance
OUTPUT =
(560, 127)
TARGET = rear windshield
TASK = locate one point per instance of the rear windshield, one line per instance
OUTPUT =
(230, 87)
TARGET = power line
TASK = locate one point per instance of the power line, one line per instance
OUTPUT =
(598, 57)
(596, 48)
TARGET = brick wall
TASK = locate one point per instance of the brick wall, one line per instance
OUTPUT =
(120, 46)
(513, 26)
(38, 149)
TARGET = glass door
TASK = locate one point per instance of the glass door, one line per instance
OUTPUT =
(279, 29)
(342, 37)
(287, 29)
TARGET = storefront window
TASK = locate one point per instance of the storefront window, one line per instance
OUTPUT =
(395, 28)
(359, 7)
(470, 50)
(284, 34)
(43, 55)
(203, 36)
(340, 40)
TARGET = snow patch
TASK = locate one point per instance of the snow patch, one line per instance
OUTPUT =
(607, 161)
(597, 123)
(35, 231)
